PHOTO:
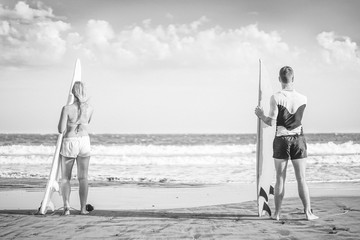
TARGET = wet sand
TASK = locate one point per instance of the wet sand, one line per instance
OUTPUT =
(181, 212)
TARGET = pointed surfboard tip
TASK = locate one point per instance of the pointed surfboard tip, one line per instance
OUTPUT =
(77, 71)
(78, 63)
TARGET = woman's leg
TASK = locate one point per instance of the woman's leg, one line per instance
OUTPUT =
(280, 167)
(66, 168)
(82, 173)
(303, 190)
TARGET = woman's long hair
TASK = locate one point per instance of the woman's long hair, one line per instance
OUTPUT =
(79, 93)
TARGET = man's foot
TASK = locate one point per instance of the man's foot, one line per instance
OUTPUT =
(66, 211)
(311, 216)
(276, 216)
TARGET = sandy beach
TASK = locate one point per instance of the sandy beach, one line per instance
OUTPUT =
(181, 212)
(177, 99)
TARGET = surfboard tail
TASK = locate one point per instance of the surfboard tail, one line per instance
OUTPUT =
(56, 186)
(263, 201)
(42, 210)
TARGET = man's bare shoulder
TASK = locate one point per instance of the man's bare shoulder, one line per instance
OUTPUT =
(301, 96)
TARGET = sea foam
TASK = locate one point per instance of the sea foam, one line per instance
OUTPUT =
(209, 164)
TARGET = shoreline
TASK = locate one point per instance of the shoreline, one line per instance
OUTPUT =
(7, 184)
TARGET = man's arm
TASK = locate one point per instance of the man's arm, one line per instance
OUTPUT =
(273, 112)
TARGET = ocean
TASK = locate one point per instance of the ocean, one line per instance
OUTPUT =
(178, 159)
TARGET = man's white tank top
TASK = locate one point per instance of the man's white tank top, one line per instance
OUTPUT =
(291, 106)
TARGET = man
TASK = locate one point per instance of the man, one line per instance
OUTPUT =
(286, 110)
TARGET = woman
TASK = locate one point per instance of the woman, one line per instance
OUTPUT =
(73, 123)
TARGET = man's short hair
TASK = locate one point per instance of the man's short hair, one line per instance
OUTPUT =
(286, 74)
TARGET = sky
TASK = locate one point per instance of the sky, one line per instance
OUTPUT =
(168, 66)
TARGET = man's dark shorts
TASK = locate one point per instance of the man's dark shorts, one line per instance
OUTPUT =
(290, 147)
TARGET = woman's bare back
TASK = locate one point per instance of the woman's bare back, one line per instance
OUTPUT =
(75, 126)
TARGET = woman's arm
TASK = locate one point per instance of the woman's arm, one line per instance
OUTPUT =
(63, 120)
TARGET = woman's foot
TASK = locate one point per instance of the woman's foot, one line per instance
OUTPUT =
(84, 212)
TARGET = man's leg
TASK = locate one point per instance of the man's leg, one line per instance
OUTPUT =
(82, 173)
(300, 169)
(280, 167)
(66, 168)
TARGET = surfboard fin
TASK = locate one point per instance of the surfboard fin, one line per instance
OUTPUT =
(267, 209)
(271, 190)
(55, 186)
(263, 194)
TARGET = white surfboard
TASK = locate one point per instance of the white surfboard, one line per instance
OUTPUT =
(52, 184)
(265, 136)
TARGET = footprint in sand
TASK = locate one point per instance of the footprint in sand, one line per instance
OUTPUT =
(335, 230)
(196, 236)
(284, 232)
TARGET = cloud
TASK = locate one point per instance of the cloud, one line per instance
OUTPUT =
(23, 12)
(338, 49)
(196, 24)
(99, 32)
(30, 35)
(191, 44)
(33, 35)
(169, 16)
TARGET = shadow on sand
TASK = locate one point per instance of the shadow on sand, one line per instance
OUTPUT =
(145, 214)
